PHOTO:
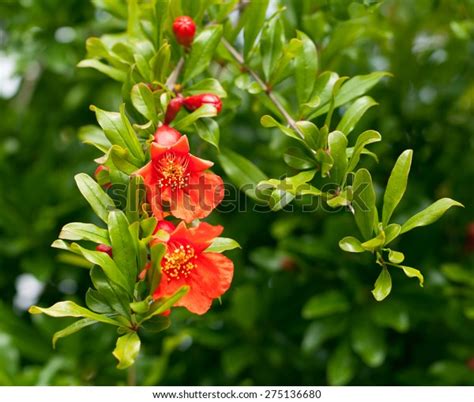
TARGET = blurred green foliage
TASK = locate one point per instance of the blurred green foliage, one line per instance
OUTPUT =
(300, 310)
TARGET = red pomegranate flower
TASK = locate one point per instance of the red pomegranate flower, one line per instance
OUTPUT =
(208, 275)
(177, 182)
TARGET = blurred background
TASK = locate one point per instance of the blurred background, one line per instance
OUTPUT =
(258, 335)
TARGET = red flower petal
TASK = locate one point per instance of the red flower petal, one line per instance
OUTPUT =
(213, 274)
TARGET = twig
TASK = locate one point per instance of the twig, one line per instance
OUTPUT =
(171, 82)
(239, 59)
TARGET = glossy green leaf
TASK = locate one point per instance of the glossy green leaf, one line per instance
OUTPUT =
(110, 71)
(312, 135)
(122, 246)
(364, 202)
(341, 365)
(254, 16)
(208, 130)
(119, 131)
(202, 51)
(221, 244)
(324, 304)
(383, 285)
(71, 309)
(269, 122)
(306, 68)
(321, 330)
(354, 113)
(297, 159)
(100, 202)
(351, 245)
(71, 329)
(136, 194)
(97, 302)
(375, 243)
(337, 148)
(391, 232)
(127, 349)
(411, 273)
(160, 14)
(108, 293)
(396, 186)
(93, 135)
(243, 173)
(187, 121)
(366, 138)
(157, 251)
(368, 342)
(84, 231)
(161, 305)
(430, 214)
(143, 100)
(271, 44)
(207, 85)
(396, 257)
(391, 315)
(283, 66)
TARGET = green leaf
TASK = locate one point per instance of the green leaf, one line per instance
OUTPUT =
(375, 243)
(97, 302)
(322, 330)
(207, 85)
(100, 202)
(110, 71)
(368, 342)
(396, 257)
(354, 114)
(208, 130)
(202, 51)
(341, 365)
(351, 245)
(126, 350)
(161, 305)
(306, 68)
(391, 232)
(383, 285)
(84, 231)
(271, 44)
(312, 135)
(144, 102)
(93, 135)
(160, 14)
(157, 251)
(392, 315)
(366, 138)
(324, 304)
(241, 171)
(119, 131)
(337, 148)
(159, 63)
(143, 67)
(283, 66)
(133, 19)
(352, 89)
(122, 246)
(396, 186)
(411, 273)
(136, 193)
(221, 244)
(119, 158)
(71, 309)
(205, 110)
(269, 122)
(430, 214)
(364, 202)
(71, 329)
(254, 17)
(297, 159)
(108, 293)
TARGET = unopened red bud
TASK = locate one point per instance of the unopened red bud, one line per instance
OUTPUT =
(167, 136)
(196, 101)
(167, 226)
(184, 30)
(104, 249)
(166, 313)
(173, 108)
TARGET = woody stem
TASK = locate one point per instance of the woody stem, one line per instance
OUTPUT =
(268, 90)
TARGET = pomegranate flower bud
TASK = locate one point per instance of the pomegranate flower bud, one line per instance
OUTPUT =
(173, 108)
(167, 136)
(167, 226)
(104, 249)
(184, 30)
(196, 101)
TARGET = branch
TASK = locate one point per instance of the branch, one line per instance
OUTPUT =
(239, 59)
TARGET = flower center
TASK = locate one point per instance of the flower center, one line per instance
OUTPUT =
(173, 173)
(178, 263)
